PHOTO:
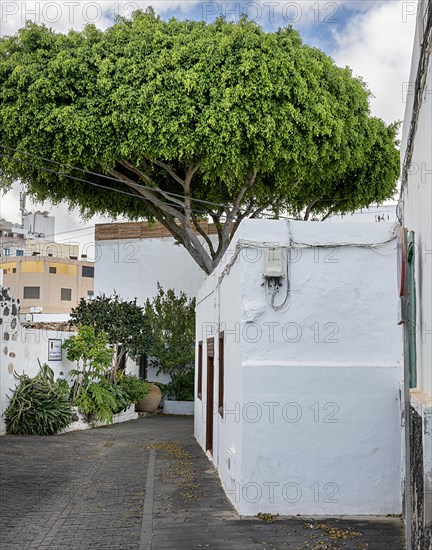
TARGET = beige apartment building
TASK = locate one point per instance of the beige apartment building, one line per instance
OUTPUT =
(48, 284)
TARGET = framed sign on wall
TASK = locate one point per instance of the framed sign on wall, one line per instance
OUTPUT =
(54, 349)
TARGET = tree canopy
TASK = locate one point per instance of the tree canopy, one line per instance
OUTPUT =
(191, 121)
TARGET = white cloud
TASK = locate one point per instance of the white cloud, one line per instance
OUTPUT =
(377, 45)
(62, 15)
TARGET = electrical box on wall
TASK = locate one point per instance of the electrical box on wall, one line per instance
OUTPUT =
(274, 265)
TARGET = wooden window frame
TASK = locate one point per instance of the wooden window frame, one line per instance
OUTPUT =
(200, 369)
(221, 383)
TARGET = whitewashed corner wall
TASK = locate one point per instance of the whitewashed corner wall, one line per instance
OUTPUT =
(312, 406)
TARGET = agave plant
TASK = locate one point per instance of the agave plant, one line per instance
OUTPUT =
(39, 405)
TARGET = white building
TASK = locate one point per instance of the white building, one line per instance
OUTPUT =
(132, 257)
(415, 209)
(298, 405)
(39, 225)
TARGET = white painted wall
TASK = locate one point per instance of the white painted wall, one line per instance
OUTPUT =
(20, 350)
(22, 347)
(417, 209)
(313, 389)
(134, 267)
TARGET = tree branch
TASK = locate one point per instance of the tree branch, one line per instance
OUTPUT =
(169, 170)
(146, 193)
(142, 175)
(203, 234)
(309, 208)
(331, 210)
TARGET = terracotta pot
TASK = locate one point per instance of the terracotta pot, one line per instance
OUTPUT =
(151, 402)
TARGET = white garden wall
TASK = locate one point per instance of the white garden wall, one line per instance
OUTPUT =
(22, 347)
(312, 409)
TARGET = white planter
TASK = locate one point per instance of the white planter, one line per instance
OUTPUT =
(82, 424)
(178, 407)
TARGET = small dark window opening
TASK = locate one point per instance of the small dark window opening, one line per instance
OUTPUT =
(66, 294)
(31, 293)
(53, 270)
(88, 271)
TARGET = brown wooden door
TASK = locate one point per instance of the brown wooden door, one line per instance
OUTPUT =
(209, 395)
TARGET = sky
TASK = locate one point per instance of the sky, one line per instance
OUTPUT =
(373, 37)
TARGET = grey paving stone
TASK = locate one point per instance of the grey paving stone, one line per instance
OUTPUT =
(87, 490)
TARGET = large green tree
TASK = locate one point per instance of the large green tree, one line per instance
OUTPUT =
(224, 113)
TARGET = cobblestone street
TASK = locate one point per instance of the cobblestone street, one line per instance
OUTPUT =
(146, 484)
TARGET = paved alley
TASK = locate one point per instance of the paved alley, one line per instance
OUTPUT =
(147, 485)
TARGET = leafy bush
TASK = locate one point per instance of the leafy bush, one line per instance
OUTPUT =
(39, 405)
(134, 387)
(98, 400)
(103, 399)
(124, 323)
(95, 393)
(181, 386)
(172, 349)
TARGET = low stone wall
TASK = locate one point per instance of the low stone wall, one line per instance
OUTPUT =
(82, 424)
(179, 407)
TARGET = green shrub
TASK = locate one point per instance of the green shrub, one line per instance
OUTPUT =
(181, 387)
(39, 405)
(103, 399)
(98, 400)
(172, 345)
(134, 387)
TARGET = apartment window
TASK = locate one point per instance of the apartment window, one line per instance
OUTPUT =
(66, 294)
(4, 271)
(14, 270)
(87, 271)
(221, 373)
(200, 366)
(6, 251)
(31, 292)
(53, 269)
(20, 252)
(90, 294)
